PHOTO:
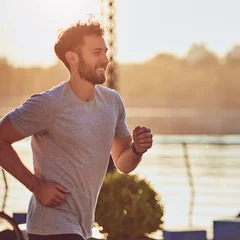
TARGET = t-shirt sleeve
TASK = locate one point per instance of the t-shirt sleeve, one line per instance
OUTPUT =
(121, 128)
(32, 117)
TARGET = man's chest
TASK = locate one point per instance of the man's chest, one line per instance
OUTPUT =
(84, 125)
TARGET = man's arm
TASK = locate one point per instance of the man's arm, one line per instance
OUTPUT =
(127, 155)
(49, 194)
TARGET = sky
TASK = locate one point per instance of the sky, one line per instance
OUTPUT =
(144, 27)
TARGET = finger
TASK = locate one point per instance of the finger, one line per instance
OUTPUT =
(139, 131)
(62, 188)
(145, 129)
(52, 204)
(145, 145)
(145, 135)
(61, 196)
(142, 130)
(135, 133)
(136, 128)
(57, 201)
(145, 140)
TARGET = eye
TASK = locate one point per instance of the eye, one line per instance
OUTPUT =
(96, 53)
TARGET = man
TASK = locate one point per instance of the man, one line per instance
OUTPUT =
(74, 127)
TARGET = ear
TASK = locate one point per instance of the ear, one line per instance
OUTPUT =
(72, 58)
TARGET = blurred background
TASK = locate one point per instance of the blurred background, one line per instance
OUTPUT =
(178, 60)
(178, 71)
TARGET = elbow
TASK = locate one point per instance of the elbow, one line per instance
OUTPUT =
(124, 166)
(124, 170)
(127, 172)
(3, 143)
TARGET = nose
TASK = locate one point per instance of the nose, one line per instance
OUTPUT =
(105, 59)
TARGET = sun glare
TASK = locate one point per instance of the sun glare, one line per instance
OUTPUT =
(64, 12)
(37, 25)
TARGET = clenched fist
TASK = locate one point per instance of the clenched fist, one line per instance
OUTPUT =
(142, 139)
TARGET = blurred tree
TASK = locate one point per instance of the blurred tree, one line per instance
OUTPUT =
(199, 54)
(163, 81)
(233, 56)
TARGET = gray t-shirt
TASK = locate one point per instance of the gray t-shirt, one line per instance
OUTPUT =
(71, 143)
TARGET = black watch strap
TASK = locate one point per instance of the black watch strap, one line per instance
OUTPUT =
(135, 151)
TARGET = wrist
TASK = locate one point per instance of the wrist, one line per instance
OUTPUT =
(136, 152)
(36, 184)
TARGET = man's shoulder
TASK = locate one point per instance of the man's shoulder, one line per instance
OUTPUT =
(50, 98)
(56, 91)
(107, 91)
(54, 94)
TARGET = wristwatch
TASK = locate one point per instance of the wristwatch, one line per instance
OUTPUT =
(136, 152)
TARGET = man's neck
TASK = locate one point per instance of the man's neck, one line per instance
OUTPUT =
(83, 89)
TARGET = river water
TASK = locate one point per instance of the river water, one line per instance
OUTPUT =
(214, 166)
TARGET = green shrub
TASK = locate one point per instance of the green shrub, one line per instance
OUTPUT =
(127, 207)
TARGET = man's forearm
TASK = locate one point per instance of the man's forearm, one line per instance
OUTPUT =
(10, 161)
(128, 161)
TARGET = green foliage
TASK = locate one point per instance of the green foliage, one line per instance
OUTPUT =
(127, 207)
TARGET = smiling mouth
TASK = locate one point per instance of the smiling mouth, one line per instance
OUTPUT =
(101, 69)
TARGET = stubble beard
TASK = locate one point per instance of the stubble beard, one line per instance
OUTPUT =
(89, 74)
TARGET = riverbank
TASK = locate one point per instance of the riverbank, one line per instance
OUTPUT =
(179, 121)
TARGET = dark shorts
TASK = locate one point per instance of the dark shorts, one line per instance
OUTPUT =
(55, 237)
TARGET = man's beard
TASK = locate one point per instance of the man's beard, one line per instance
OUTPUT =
(89, 74)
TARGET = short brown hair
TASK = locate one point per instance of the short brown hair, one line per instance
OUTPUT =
(69, 38)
